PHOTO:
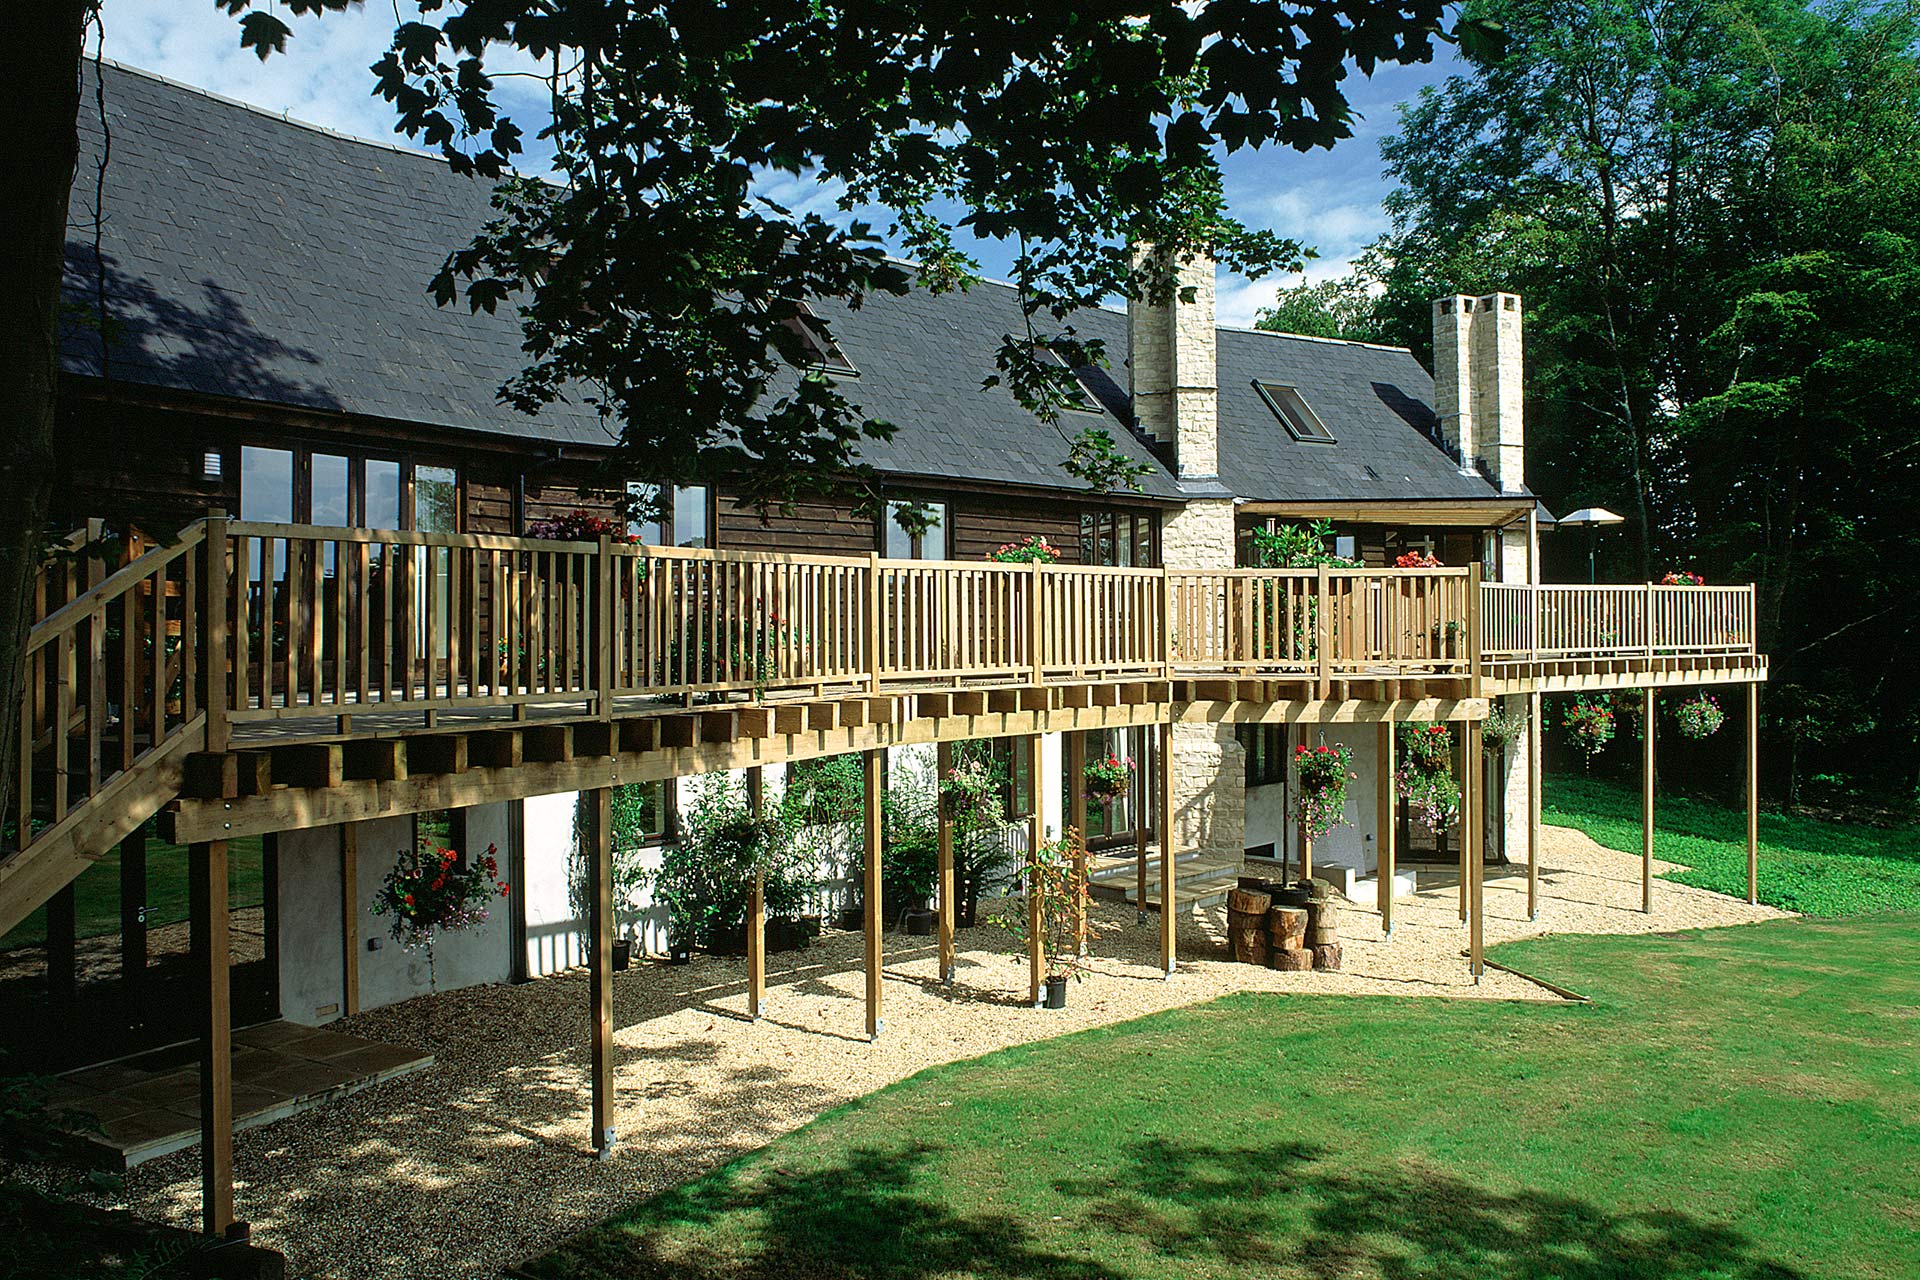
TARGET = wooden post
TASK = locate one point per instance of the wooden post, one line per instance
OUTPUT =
(603, 628)
(215, 612)
(1473, 840)
(350, 917)
(1077, 820)
(1036, 614)
(211, 928)
(1536, 733)
(1646, 801)
(1323, 636)
(1753, 793)
(948, 906)
(133, 919)
(873, 620)
(63, 976)
(1140, 832)
(1167, 906)
(757, 905)
(1384, 851)
(1036, 941)
(1468, 817)
(597, 835)
(871, 890)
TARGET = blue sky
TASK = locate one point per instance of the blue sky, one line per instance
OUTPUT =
(1327, 199)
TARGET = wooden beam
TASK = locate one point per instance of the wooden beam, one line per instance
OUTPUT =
(1753, 794)
(212, 776)
(598, 839)
(757, 904)
(934, 705)
(550, 743)
(1004, 701)
(1142, 780)
(970, 702)
(349, 918)
(1646, 802)
(256, 772)
(754, 722)
(1536, 731)
(63, 972)
(1036, 698)
(381, 759)
(943, 765)
(822, 716)
(789, 720)
(870, 850)
(639, 733)
(211, 926)
(1475, 838)
(594, 740)
(1168, 947)
(1384, 824)
(133, 918)
(500, 749)
(1076, 744)
(312, 767)
(718, 726)
(438, 753)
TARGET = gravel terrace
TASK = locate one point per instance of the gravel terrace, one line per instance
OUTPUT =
(483, 1160)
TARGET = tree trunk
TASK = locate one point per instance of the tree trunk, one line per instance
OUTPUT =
(42, 43)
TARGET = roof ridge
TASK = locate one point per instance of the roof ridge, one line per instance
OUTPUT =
(278, 117)
(1312, 337)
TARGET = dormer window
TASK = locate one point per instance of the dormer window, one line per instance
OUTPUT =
(1288, 405)
(823, 353)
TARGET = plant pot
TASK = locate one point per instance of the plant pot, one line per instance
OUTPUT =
(1057, 993)
(851, 919)
(622, 954)
(920, 923)
(679, 952)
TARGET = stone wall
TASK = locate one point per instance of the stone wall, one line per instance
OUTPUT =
(1209, 789)
(1199, 535)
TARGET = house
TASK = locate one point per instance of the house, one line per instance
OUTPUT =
(336, 636)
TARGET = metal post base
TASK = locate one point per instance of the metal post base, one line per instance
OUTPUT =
(603, 1149)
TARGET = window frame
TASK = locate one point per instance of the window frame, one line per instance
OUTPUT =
(1307, 427)
(886, 526)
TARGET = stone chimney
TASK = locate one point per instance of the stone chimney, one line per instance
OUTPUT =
(1170, 352)
(1477, 385)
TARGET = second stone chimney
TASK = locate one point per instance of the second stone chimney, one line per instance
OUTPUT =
(1477, 385)
(1171, 354)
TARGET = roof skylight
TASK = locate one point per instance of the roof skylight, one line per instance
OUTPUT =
(1288, 405)
(823, 352)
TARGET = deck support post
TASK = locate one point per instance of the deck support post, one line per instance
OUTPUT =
(1753, 794)
(1383, 820)
(133, 919)
(1473, 841)
(1167, 905)
(598, 838)
(948, 908)
(63, 962)
(1076, 769)
(1536, 730)
(1646, 801)
(757, 904)
(1036, 922)
(1140, 834)
(212, 928)
(350, 918)
(870, 885)
(1468, 788)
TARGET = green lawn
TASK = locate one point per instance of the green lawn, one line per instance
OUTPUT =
(1807, 865)
(96, 903)
(1738, 1104)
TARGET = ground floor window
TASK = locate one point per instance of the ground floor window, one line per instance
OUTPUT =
(677, 516)
(1266, 748)
(1014, 758)
(1119, 538)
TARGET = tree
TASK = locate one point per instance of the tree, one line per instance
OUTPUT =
(1341, 308)
(653, 283)
(1712, 210)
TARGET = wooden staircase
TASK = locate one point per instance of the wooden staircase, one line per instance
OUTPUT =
(113, 704)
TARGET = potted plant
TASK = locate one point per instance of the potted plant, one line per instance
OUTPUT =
(622, 954)
(971, 793)
(1416, 560)
(1031, 549)
(1053, 882)
(428, 893)
(1699, 717)
(705, 879)
(1424, 779)
(1324, 773)
(1108, 779)
(1502, 727)
(1682, 578)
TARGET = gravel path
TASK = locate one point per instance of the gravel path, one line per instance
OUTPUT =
(483, 1159)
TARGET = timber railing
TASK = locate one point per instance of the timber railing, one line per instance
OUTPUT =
(1553, 622)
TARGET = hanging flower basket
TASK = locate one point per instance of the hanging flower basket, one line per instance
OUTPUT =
(1424, 779)
(1324, 772)
(969, 789)
(1590, 725)
(1700, 717)
(1502, 728)
(1109, 779)
(1030, 550)
(428, 892)
(1682, 578)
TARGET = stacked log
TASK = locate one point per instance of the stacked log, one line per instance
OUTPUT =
(1247, 924)
(1286, 938)
(1323, 937)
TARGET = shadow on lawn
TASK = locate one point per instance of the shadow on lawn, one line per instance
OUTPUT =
(1171, 1209)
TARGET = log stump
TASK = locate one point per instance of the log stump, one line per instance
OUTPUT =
(1287, 928)
(1292, 960)
(1323, 920)
(1326, 957)
(1247, 925)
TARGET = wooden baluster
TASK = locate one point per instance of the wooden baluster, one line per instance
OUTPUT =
(158, 709)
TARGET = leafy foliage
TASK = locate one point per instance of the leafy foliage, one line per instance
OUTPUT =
(654, 283)
(1298, 546)
(1032, 549)
(1052, 880)
(1424, 780)
(428, 892)
(705, 880)
(1325, 770)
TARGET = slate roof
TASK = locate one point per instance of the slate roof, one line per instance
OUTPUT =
(253, 257)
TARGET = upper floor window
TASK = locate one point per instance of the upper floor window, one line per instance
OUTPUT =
(896, 543)
(823, 353)
(1118, 538)
(1074, 394)
(343, 490)
(1288, 405)
(681, 516)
